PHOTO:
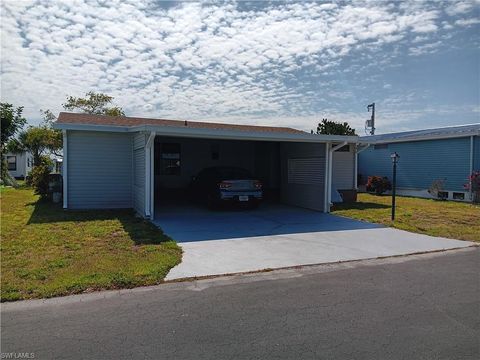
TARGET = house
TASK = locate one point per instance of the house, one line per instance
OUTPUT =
(19, 164)
(445, 155)
(130, 162)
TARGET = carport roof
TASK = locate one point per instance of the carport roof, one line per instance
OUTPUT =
(75, 121)
(74, 118)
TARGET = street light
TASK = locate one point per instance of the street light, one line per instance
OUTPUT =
(394, 158)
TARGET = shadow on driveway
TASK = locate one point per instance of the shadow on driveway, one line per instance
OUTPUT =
(188, 223)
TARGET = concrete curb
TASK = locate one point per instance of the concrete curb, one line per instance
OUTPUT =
(201, 283)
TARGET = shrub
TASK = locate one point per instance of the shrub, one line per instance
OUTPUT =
(437, 189)
(39, 177)
(473, 185)
(378, 184)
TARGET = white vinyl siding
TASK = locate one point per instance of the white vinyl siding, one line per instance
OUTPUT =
(303, 175)
(343, 169)
(99, 170)
(307, 171)
(139, 140)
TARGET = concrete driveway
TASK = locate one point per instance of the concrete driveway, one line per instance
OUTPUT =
(277, 236)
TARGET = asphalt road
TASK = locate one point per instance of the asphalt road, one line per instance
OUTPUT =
(420, 307)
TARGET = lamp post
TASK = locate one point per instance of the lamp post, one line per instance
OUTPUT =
(394, 158)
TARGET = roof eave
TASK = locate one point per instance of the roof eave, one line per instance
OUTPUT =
(211, 134)
(420, 138)
(89, 127)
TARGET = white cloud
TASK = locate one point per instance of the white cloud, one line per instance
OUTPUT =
(467, 22)
(199, 61)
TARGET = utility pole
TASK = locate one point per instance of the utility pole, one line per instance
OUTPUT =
(370, 124)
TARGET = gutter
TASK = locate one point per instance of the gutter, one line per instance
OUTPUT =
(419, 138)
(65, 169)
(190, 132)
(471, 166)
(149, 191)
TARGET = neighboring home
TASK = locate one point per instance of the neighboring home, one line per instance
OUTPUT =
(19, 164)
(445, 155)
(129, 162)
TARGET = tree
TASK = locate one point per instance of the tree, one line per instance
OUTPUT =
(329, 127)
(46, 138)
(12, 122)
(37, 140)
(93, 103)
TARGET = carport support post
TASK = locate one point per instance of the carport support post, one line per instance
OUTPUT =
(149, 211)
(330, 170)
(326, 205)
(394, 157)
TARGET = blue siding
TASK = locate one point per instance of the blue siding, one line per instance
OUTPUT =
(476, 154)
(421, 162)
(99, 170)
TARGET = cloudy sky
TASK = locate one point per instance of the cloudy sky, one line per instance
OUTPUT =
(274, 63)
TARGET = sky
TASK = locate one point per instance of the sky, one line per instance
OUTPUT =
(264, 63)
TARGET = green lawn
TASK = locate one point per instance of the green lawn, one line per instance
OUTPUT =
(47, 251)
(432, 217)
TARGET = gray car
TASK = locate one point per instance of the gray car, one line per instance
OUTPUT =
(226, 184)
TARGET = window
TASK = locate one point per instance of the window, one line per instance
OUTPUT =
(380, 146)
(458, 196)
(12, 163)
(170, 159)
(442, 195)
(345, 148)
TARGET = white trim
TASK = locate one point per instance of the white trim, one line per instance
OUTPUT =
(148, 175)
(65, 169)
(152, 180)
(89, 127)
(326, 206)
(355, 169)
(190, 132)
(420, 138)
(338, 146)
(330, 171)
(471, 166)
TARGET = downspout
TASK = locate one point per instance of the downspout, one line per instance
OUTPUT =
(326, 207)
(149, 175)
(65, 169)
(356, 163)
(330, 167)
(471, 168)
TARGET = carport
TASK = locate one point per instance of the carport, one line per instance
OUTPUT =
(139, 163)
(296, 168)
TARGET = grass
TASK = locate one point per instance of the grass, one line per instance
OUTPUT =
(432, 217)
(48, 252)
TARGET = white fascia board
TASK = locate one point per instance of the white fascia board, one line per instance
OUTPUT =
(213, 134)
(88, 127)
(243, 135)
(418, 138)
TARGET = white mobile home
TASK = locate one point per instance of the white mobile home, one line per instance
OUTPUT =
(19, 164)
(127, 162)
